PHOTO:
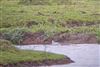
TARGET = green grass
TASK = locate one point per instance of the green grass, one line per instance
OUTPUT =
(14, 14)
(26, 56)
(98, 35)
(50, 16)
(9, 54)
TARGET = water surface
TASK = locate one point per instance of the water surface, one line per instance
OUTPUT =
(84, 55)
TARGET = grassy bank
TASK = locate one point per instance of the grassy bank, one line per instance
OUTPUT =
(26, 56)
(11, 55)
(15, 14)
(52, 16)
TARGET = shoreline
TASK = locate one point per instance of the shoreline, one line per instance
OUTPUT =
(48, 62)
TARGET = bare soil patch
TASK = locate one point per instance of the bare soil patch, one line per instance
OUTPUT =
(69, 38)
(63, 37)
(35, 38)
(75, 38)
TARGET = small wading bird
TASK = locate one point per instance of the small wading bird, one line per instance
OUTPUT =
(55, 43)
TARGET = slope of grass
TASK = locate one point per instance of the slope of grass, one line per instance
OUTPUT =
(14, 14)
(49, 17)
(26, 56)
(9, 54)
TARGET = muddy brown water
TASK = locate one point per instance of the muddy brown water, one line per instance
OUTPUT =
(84, 55)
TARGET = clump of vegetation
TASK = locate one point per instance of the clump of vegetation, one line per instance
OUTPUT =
(15, 35)
(98, 35)
(6, 45)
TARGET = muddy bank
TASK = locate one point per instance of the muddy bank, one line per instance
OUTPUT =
(66, 60)
(35, 38)
(63, 37)
(75, 38)
(69, 38)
